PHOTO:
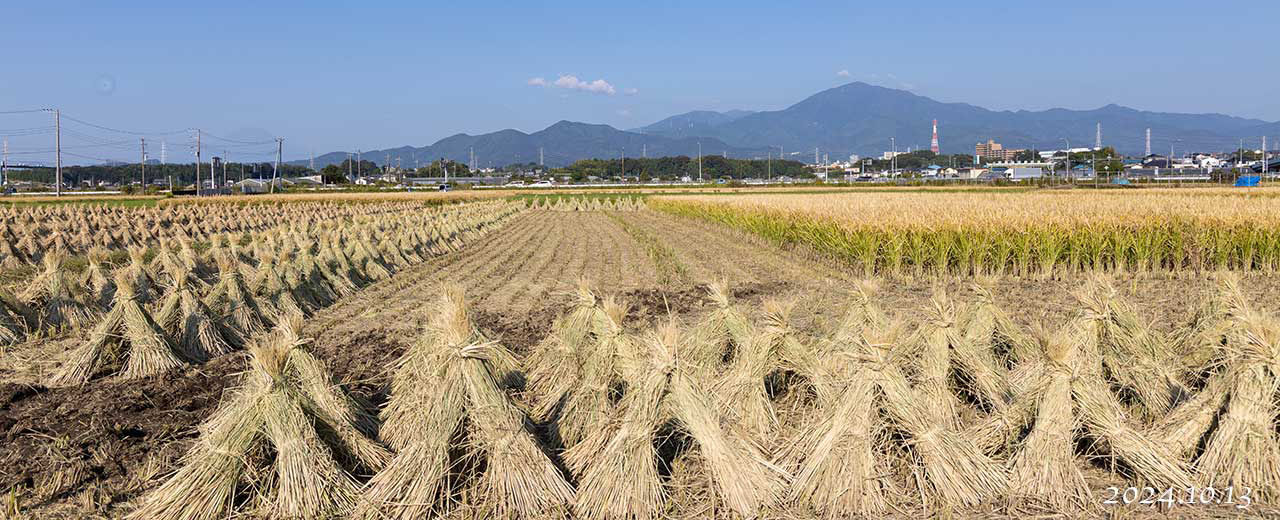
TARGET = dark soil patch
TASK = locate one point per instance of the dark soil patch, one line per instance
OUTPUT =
(56, 443)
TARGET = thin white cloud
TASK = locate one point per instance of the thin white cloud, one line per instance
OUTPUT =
(624, 112)
(598, 86)
(844, 73)
(571, 82)
(631, 91)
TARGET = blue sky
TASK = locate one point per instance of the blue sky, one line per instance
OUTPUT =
(332, 76)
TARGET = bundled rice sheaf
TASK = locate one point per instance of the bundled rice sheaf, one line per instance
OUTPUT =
(618, 465)
(1134, 356)
(189, 322)
(579, 396)
(60, 302)
(128, 334)
(721, 335)
(555, 362)
(17, 319)
(1109, 422)
(949, 467)
(448, 415)
(97, 278)
(1044, 465)
(1241, 448)
(1200, 342)
(838, 460)
(232, 302)
(775, 346)
(139, 275)
(283, 445)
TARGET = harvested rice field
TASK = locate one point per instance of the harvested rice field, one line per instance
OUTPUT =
(598, 356)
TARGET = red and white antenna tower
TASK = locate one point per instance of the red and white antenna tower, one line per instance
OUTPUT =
(933, 145)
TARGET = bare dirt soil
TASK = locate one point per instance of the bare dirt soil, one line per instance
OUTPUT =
(88, 451)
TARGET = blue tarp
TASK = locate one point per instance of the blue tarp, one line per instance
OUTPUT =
(1120, 181)
(1248, 181)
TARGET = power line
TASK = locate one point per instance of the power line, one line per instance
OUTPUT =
(117, 130)
(234, 141)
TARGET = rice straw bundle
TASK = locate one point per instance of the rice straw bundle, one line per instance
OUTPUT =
(1105, 419)
(1044, 464)
(580, 403)
(1201, 340)
(555, 362)
(453, 398)
(839, 468)
(776, 345)
(100, 285)
(1134, 356)
(721, 334)
(286, 417)
(61, 302)
(1243, 449)
(138, 274)
(232, 301)
(951, 467)
(126, 329)
(16, 318)
(940, 331)
(186, 319)
(1009, 343)
(618, 464)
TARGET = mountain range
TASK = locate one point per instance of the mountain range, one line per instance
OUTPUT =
(856, 118)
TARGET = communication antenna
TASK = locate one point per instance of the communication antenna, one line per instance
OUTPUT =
(933, 145)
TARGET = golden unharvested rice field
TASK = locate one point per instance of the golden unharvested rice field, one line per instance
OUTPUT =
(1025, 233)
(861, 354)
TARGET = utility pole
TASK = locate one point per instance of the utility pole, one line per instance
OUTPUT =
(644, 150)
(444, 167)
(224, 168)
(541, 164)
(275, 172)
(624, 165)
(349, 168)
(164, 160)
(893, 155)
(1068, 141)
(313, 159)
(4, 163)
(358, 161)
(144, 164)
(699, 162)
(768, 157)
(57, 145)
(197, 162)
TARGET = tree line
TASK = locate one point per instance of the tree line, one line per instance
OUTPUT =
(157, 174)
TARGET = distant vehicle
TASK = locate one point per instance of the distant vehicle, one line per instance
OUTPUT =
(444, 187)
(542, 184)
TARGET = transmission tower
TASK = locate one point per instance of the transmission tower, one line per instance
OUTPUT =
(933, 145)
